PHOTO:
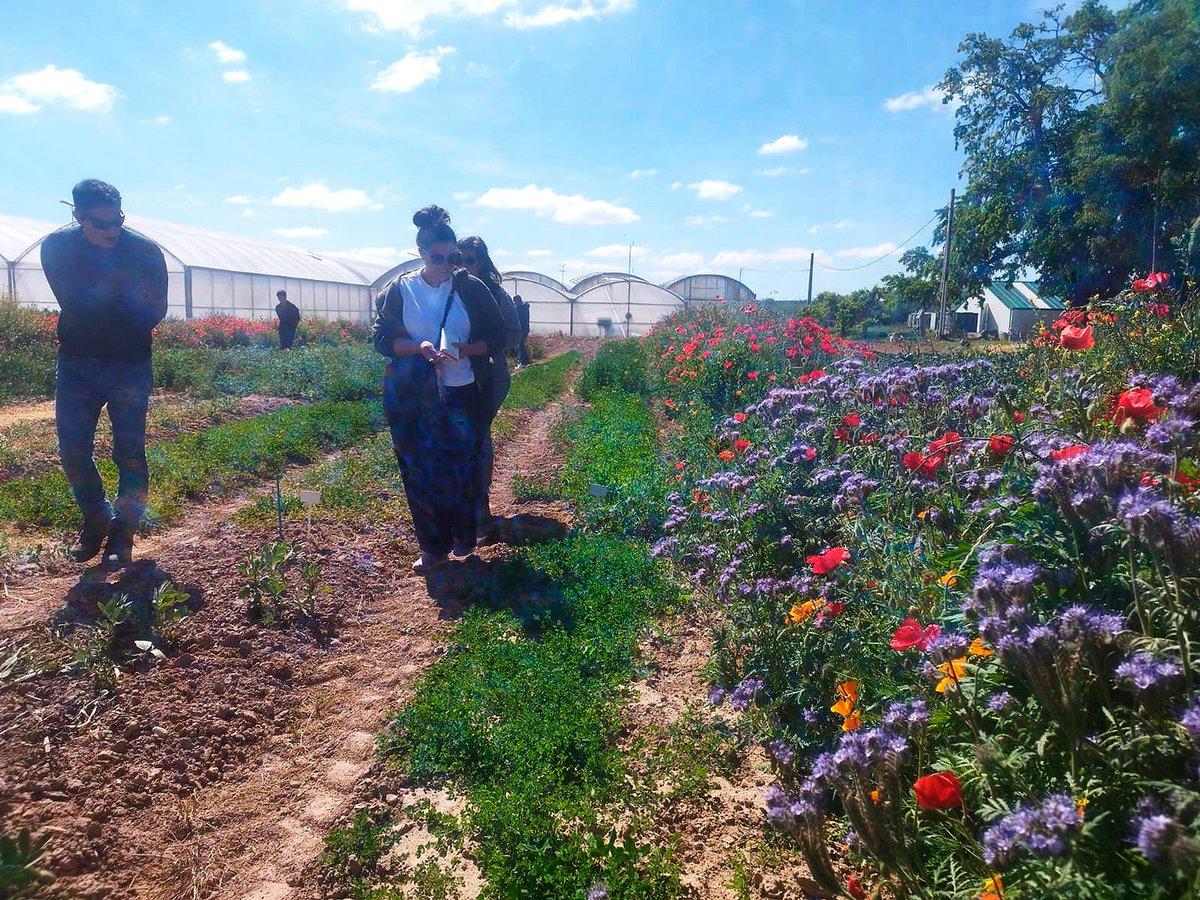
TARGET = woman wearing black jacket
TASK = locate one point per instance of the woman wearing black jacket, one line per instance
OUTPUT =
(439, 330)
(477, 261)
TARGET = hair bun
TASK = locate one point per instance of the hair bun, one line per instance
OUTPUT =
(430, 217)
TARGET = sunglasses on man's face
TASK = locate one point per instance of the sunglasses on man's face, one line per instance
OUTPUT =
(106, 224)
(439, 259)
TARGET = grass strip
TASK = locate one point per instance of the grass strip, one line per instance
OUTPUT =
(208, 463)
(524, 711)
(535, 386)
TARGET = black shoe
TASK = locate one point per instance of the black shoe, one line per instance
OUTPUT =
(91, 537)
(118, 552)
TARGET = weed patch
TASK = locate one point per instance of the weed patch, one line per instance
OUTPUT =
(535, 386)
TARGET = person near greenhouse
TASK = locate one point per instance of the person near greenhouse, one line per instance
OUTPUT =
(440, 330)
(479, 264)
(289, 319)
(111, 285)
(523, 318)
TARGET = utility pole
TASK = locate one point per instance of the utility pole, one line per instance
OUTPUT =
(811, 258)
(562, 274)
(628, 292)
(943, 329)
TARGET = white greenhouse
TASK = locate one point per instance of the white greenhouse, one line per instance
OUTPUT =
(16, 236)
(606, 304)
(709, 289)
(211, 272)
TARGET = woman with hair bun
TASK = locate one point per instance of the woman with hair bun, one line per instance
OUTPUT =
(478, 262)
(439, 330)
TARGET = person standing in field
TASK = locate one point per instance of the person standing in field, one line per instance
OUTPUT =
(478, 263)
(523, 318)
(112, 287)
(440, 330)
(289, 319)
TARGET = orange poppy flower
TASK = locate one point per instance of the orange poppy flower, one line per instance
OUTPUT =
(953, 671)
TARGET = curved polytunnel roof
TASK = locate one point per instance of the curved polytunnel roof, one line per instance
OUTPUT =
(538, 277)
(204, 249)
(709, 287)
(18, 235)
(385, 278)
(541, 287)
(587, 282)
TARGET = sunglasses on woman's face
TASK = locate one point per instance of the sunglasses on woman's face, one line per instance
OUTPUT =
(439, 259)
(469, 260)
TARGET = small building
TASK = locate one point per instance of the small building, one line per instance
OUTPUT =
(1008, 310)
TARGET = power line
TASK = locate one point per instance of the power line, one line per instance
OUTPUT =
(886, 255)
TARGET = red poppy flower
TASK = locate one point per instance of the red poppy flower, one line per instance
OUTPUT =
(910, 634)
(1073, 338)
(830, 611)
(924, 465)
(729, 363)
(751, 374)
(1000, 444)
(1151, 282)
(951, 440)
(810, 453)
(852, 420)
(739, 417)
(1069, 452)
(824, 563)
(741, 445)
(942, 790)
(1018, 417)
(842, 434)
(855, 889)
(816, 373)
(1137, 404)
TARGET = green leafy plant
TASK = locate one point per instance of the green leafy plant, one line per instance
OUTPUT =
(19, 859)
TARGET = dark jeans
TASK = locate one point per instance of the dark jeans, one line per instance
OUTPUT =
(523, 351)
(83, 385)
(286, 337)
(490, 404)
(436, 441)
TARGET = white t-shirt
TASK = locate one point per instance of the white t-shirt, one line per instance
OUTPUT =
(424, 306)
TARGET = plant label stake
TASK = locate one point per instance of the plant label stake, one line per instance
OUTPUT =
(279, 504)
(310, 499)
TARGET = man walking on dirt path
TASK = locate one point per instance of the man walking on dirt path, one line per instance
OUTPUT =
(523, 318)
(112, 287)
(289, 319)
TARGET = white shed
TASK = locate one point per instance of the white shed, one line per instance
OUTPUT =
(1012, 310)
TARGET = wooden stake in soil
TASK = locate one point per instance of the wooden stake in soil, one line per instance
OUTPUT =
(279, 504)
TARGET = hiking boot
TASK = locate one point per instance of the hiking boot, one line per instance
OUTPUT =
(91, 538)
(118, 552)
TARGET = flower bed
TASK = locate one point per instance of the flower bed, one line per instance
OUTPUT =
(960, 593)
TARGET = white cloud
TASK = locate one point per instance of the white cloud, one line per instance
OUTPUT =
(236, 76)
(617, 251)
(318, 196)
(643, 173)
(227, 54)
(788, 143)
(249, 213)
(569, 210)
(541, 254)
(703, 220)
(866, 252)
(559, 13)
(684, 262)
(384, 256)
(711, 189)
(410, 15)
(772, 173)
(241, 199)
(302, 232)
(409, 73)
(163, 120)
(28, 92)
(12, 105)
(755, 258)
(761, 214)
(462, 196)
(841, 225)
(927, 96)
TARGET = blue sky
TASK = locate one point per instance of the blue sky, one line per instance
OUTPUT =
(713, 136)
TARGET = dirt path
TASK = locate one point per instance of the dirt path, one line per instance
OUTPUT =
(15, 413)
(218, 773)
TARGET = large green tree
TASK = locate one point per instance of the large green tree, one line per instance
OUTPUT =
(1080, 146)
